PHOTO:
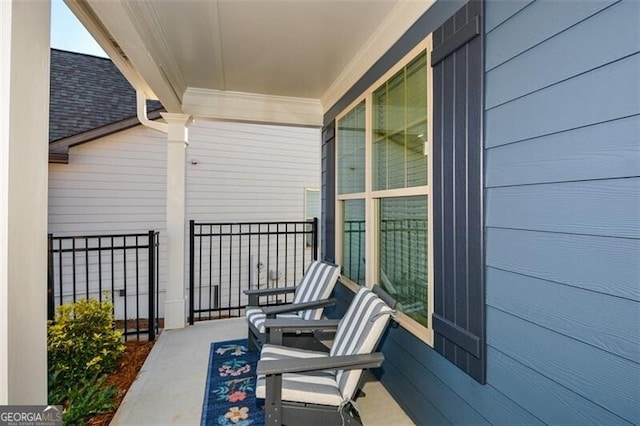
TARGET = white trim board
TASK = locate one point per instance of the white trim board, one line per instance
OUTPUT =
(251, 107)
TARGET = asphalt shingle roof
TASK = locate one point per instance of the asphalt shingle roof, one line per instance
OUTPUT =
(87, 92)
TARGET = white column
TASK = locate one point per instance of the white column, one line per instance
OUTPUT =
(24, 153)
(178, 138)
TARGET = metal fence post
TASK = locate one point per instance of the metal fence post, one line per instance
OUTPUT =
(50, 285)
(191, 268)
(315, 238)
(152, 284)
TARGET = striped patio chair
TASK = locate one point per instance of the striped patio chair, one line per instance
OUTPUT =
(316, 388)
(310, 298)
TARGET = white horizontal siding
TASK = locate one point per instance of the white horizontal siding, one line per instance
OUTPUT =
(249, 172)
(244, 172)
(115, 184)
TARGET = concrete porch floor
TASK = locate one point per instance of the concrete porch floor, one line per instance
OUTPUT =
(170, 386)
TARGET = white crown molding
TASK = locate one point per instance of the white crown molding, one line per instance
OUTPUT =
(251, 107)
(402, 16)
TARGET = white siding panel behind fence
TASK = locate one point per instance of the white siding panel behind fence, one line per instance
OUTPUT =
(249, 173)
(235, 172)
(112, 185)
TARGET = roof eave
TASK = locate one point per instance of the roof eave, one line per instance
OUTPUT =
(59, 149)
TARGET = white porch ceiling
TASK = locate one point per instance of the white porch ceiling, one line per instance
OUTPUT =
(235, 59)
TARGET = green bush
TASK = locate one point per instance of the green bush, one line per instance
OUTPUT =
(87, 399)
(82, 348)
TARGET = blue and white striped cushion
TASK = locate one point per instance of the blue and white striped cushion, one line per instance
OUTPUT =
(358, 333)
(317, 284)
(318, 387)
(256, 317)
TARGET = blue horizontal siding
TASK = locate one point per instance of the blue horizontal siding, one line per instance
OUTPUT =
(399, 355)
(562, 219)
(498, 12)
(604, 94)
(434, 378)
(552, 402)
(544, 64)
(607, 150)
(607, 322)
(540, 21)
(601, 264)
(601, 207)
(413, 402)
(599, 376)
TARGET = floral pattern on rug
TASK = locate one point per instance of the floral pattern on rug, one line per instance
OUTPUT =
(235, 390)
(234, 367)
(230, 392)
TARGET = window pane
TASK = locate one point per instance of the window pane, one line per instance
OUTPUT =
(403, 253)
(379, 138)
(353, 241)
(395, 104)
(417, 90)
(400, 128)
(351, 141)
(416, 160)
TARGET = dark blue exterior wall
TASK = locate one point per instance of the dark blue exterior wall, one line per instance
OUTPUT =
(562, 188)
(563, 209)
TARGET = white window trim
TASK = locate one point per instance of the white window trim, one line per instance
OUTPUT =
(372, 197)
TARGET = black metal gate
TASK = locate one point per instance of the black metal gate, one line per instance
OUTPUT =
(122, 268)
(227, 258)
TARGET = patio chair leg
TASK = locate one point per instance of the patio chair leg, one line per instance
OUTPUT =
(274, 337)
(251, 342)
(273, 401)
(351, 416)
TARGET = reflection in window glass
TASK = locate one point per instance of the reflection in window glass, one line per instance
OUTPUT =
(353, 241)
(393, 132)
(351, 142)
(400, 128)
(403, 253)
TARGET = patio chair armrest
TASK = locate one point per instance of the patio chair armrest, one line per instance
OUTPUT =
(277, 328)
(255, 293)
(301, 325)
(345, 362)
(271, 311)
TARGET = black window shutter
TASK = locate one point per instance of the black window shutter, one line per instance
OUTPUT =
(457, 191)
(328, 192)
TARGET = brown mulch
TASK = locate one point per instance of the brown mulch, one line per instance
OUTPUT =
(139, 324)
(134, 355)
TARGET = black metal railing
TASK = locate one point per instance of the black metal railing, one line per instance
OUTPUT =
(227, 258)
(353, 252)
(402, 251)
(123, 268)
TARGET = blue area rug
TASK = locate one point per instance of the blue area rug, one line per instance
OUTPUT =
(230, 398)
